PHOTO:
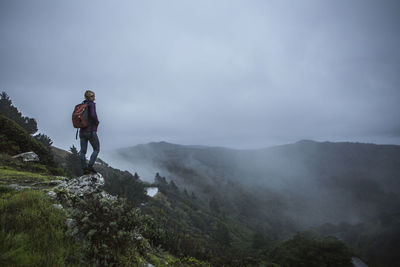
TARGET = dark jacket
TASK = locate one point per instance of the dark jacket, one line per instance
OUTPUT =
(92, 117)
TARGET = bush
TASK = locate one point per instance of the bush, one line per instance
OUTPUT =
(108, 229)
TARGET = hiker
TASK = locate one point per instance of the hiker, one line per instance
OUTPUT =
(89, 133)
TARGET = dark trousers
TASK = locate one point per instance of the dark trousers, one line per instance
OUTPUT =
(92, 138)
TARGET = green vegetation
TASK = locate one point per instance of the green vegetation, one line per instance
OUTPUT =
(192, 229)
(73, 163)
(14, 140)
(8, 110)
(108, 229)
(32, 231)
(7, 173)
(308, 251)
(45, 140)
(7, 162)
(105, 232)
(123, 184)
(375, 241)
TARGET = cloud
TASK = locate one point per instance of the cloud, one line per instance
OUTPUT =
(234, 73)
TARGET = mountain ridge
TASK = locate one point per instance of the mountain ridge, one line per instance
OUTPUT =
(300, 142)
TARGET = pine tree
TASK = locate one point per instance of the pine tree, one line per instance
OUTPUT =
(74, 162)
(260, 240)
(45, 140)
(173, 186)
(160, 180)
(214, 206)
(222, 236)
(7, 109)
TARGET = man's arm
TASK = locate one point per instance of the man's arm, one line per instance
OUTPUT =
(93, 114)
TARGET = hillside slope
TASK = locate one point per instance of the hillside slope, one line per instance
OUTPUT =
(317, 182)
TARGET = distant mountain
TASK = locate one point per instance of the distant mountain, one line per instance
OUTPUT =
(308, 182)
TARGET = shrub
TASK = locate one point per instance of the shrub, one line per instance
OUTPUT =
(109, 229)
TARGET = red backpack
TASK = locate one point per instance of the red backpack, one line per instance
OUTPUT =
(80, 117)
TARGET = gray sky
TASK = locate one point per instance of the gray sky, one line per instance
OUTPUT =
(241, 74)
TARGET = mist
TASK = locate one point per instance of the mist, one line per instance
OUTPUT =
(308, 183)
(237, 74)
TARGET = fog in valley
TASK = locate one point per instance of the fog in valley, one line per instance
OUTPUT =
(307, 182)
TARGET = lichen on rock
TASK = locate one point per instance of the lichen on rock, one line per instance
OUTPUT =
(83, 185)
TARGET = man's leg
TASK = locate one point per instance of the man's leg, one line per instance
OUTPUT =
(82, 153)
(94, 141)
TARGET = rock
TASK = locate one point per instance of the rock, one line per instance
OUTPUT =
(107, 196)
(86, 184)
(357, 262)
(28, 156)
(58, 206)
(52, 194)
(55, 182)
(61, 178)
(70, 223)
(138, 236)
(19, 187)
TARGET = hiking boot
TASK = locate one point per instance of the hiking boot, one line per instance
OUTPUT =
(91, 170)
(86, 171)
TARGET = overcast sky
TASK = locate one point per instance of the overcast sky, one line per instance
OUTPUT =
(240, 74)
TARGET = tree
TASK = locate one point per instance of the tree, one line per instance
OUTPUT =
(221, 235)
(173, 186)
(8, 110)
(306, 250)
(74, 162)
(160, 180)
(214, 206)
(260, 240)
(45, 140)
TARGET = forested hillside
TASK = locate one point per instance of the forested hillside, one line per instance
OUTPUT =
(280, 190)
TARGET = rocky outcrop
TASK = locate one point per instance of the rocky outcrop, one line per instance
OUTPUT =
(82, 186)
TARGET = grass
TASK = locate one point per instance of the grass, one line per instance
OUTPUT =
(8, 162)
(32, 231)
(8, 173)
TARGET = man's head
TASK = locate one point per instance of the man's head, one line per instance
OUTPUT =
(89, 95)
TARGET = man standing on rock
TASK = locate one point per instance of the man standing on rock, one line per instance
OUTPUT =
(89, 134)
